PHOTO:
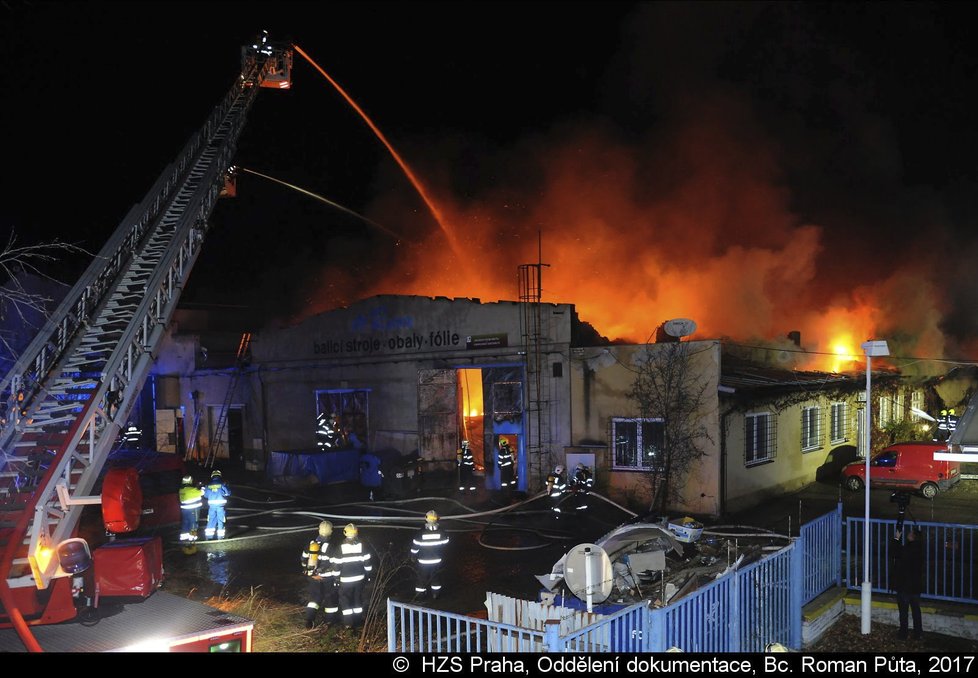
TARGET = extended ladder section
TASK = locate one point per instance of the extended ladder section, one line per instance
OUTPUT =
(75, 384)
(222, 421)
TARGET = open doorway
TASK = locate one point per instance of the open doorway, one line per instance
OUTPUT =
(471, 413)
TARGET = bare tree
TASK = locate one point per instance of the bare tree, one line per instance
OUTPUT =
(26, 289)
(667, 388)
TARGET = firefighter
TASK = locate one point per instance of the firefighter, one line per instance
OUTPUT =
(506, 461)
(466, 468)
(191, 499)
(351, 565)
(428, 551)
(556, 485)
(581, 484)
(216, 493)
(318, 566)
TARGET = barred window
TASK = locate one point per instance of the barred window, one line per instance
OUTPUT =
(811, 428)
(917, 403)
(638, 443)
(840, 423)
(760, 437)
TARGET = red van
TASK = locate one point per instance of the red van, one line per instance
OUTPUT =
(906, 466)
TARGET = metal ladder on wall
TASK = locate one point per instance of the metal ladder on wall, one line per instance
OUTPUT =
(534, 328)
(222, 420)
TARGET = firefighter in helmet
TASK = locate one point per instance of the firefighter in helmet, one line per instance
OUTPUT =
(216, 493)
(581, 484)
(191, 499)
(351, 565)
(428, 550)
(556, 485)
(466, 468)
(506, 461)
(317, 565)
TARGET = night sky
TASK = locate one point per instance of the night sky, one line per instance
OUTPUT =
(816, 162)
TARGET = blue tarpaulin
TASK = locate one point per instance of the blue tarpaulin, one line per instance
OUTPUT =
(327, 467)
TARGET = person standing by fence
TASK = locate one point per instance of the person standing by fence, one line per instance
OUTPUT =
(908, 567)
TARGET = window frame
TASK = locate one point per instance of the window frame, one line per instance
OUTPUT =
(771, 429)
(639, 423)
(811, 428)
(838, 423)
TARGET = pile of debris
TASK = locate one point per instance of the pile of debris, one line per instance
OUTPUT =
(657, 562)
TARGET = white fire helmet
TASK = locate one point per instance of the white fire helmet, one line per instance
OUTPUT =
(187, 480)
(350, 531)
(431, 517)
(558, 469)
(325, 528)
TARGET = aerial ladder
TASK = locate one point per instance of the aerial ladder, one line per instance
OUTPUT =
(73, 387)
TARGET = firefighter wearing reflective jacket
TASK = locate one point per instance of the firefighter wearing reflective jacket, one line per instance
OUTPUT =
(556, 486)
(318, 566)
(191, 499)
(466, 468)
(507, 465)
(216, 493)
(428, 550)
(581, 485)
(351, 565)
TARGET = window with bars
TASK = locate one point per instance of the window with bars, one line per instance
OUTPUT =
(811, 428)
(637, 443)
(839, 424)
(885, 410)
(760, 437)
(917, 403)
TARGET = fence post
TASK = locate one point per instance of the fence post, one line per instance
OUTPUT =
(837, 543)
(551, 636)
(391, 638)
(655, 630)
(735, 621)
(797, 573)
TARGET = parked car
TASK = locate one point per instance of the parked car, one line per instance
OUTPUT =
(905, 466)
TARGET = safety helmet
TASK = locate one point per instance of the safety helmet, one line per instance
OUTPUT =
(580, 465)
(350, 531)
(215, 474)
(188, 480)
(431, 517)
(325, 528)
(558, 469)
(465, 443)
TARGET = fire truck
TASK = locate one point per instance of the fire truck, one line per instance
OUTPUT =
(63, 402)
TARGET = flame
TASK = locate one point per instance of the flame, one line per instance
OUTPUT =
(694, 225)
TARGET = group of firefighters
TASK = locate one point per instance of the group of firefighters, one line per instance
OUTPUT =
(192, 498)
(339, 572)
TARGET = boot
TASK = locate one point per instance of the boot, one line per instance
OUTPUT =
(309, 617)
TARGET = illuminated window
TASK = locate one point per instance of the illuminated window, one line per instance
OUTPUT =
(885, 410)
(341, 419)
(760, 438)
(638, 443)
(811, 428)
(917, 403)
(839, 423)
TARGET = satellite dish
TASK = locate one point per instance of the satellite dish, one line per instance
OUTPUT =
(679, 327)
(587, 570)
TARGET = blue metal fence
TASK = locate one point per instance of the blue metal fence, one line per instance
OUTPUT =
(742, 611)
(950, 561)
(821, 541)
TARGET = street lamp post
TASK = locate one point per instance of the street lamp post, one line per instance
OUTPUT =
(870, 348)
